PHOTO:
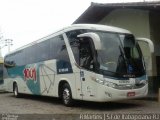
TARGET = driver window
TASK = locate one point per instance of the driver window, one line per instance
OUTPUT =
(81, 49)
(74, 43)
(86, 56)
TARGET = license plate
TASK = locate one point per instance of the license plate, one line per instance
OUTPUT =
(131, 94)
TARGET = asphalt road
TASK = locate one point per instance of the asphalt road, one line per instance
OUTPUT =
(47, 105)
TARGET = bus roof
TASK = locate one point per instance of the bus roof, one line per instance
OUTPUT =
(97, 27)
(74, 27)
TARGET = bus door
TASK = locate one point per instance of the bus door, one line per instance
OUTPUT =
(87, 85)
(87, 74)
(83, 45)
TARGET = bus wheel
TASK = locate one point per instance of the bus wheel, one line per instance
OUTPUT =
(67, 95)
(15, 90)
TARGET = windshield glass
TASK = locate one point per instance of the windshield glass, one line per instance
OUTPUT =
(120, 55)
(108, 56)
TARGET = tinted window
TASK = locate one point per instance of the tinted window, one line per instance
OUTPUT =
(61, 55)
(42, 51)
(53, 48)
(74, 42)
(30, 54)
(86, 56)
(56, 44)
(9, 60)
(58, 49)
(20, 58)
(17, 58)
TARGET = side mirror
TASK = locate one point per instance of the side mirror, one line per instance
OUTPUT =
(94, 37)
(148, 41)
(147, 48)
(129, 41)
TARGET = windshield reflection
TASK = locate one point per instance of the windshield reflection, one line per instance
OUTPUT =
(120, 56)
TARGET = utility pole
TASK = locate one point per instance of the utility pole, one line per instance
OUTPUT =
(0, 45)
(8, 42)
(4, 43)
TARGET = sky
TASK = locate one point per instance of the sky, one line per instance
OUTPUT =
(25, 21)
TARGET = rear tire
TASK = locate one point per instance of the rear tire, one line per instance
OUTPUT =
(15, 90)
(67, 95)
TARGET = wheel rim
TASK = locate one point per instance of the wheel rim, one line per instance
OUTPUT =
(66, 96)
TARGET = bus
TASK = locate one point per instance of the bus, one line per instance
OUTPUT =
(81, 62)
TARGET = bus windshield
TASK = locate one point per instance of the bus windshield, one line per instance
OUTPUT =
(120, 55)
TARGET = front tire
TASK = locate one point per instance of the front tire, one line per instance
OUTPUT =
(67, 95)
(15, 90)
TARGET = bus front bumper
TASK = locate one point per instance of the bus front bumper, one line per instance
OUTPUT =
(105, 93)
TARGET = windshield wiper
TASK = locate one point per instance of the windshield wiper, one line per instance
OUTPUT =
(124, 57)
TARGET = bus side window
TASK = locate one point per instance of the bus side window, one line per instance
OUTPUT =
(86, 56)
(81, 49)
(74, 43)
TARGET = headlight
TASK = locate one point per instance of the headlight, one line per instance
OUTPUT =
(104, 82)
(100, 81)
(110, 84)
(143, 81)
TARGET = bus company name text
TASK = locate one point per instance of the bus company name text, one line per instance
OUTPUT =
(30, 73)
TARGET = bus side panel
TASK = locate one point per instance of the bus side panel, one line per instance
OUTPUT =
(16, 75)
(47, 73)
(40, 78)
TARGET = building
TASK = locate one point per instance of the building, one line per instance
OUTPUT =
(142, 19)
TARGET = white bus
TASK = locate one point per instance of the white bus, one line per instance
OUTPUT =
(81, 62)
